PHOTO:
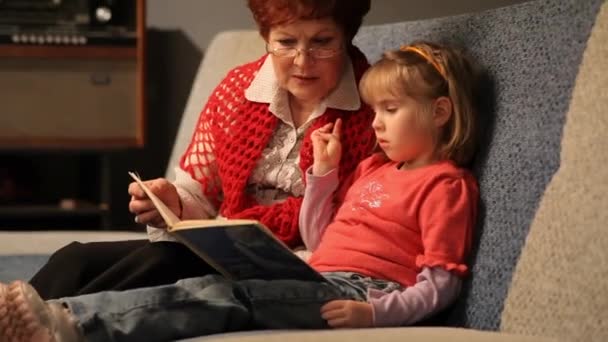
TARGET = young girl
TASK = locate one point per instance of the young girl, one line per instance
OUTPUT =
(393, 253)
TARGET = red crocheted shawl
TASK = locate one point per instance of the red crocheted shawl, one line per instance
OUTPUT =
(231, 134)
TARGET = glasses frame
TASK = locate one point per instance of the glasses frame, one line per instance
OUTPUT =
(292, 52)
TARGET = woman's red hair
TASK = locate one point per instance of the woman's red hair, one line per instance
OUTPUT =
(348, 14)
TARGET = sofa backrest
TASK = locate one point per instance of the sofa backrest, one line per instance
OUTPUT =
(532, 52)
(225, 51)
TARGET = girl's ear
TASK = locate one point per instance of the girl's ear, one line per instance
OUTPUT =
(442, 111)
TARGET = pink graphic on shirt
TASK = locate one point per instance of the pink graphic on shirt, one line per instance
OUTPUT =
(371, 196)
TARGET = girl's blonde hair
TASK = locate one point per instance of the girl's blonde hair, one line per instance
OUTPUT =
(426, 71)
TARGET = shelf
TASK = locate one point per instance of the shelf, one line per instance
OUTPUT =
(25, 211)
(69, 144)
(81, 52)
(51, 217)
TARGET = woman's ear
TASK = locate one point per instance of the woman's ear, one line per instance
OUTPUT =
(442, 111)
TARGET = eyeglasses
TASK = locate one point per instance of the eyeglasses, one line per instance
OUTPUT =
(291, 52)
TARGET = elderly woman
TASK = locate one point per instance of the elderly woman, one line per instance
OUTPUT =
(249, 148)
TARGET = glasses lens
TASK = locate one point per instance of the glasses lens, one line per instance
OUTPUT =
(323, 53)
(284, 52)
(292, 52)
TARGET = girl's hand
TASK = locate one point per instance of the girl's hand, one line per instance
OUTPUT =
(326, 148)
(142, 206)
(348, 314)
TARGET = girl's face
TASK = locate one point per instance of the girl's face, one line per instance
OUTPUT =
(402, 131)
(307, 76)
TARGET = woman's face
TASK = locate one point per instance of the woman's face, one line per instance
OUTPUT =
(307, 76)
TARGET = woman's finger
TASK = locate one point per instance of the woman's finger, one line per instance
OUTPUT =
(141, 206)
(136, 191)
(151, 218)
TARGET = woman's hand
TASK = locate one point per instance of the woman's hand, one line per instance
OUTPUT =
(348, 314)
(142, 206)
(326, 148)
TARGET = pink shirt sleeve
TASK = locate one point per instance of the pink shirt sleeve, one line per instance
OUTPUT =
(447, 217)
(322, 197)
(318, 206)
(434, 290)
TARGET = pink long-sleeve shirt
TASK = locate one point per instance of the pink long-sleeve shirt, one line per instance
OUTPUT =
(413, 227)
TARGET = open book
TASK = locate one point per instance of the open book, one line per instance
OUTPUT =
(237, 249)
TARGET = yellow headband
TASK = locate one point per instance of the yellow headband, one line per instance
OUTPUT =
(427, 57)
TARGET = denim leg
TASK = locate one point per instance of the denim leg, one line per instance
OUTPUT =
(202, 306)
(188, 308)
(291, 304)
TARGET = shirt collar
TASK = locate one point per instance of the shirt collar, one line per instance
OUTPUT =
(265, 89)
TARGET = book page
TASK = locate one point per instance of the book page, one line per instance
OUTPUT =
(170, 218)
(213, 222)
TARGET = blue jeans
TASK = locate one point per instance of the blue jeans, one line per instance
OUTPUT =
(212, 304)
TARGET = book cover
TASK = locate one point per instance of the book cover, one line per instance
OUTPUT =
(237, 249)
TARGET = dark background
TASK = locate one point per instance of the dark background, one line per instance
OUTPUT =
(46, 177)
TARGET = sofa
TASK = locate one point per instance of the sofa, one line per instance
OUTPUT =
(539, 268)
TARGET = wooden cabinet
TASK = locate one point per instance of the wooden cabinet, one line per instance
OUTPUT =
(57, 95)
(68, 100)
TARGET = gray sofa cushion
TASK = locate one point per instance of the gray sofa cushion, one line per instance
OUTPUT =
(13, 267)
(23, 253)
(532, 52)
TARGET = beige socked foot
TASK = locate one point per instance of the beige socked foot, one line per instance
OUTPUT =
(25, 317)
(4, 318)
